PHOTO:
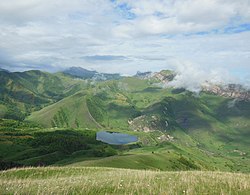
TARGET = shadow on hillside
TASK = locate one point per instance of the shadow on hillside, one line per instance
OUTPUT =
(47, 148)
(233, 108)
(187, 114)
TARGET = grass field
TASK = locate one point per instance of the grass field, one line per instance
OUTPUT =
(76, 180)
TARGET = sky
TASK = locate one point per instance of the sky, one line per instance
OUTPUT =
(208, 39)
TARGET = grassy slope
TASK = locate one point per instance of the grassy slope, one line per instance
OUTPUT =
(54, 180)
(156, 161)
(166, 158)
(24, 92)
(76, 111)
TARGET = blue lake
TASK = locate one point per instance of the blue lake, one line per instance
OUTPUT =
(115, 138)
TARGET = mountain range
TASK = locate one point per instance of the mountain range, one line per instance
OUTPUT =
(177, 129)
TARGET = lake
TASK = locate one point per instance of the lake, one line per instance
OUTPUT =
(115, 138)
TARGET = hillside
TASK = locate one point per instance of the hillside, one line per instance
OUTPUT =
(25, 92)
(69, 112)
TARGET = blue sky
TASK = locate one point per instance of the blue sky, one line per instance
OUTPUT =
(207, 38)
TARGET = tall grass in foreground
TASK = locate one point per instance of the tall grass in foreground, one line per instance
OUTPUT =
(74, 180)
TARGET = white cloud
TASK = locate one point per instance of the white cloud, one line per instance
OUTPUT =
(21, 12)
(151, 35)
(192, 76)
(183, 16)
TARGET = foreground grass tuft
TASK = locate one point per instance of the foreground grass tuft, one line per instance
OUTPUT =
(84, 180)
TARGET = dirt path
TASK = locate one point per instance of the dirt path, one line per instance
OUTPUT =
(91, 117)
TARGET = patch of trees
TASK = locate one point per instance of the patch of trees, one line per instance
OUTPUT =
(14, 113)
(69, 142)
(188, 163)
(60, 119)
(4, 165)
(95, 107)
(9, 124)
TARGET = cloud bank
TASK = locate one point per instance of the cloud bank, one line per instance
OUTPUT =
(192, 77)
(205, 38)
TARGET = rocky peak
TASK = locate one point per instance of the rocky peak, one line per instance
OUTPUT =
(230, 90)
(165, 76)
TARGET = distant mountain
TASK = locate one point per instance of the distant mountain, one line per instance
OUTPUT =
(143, 75)
(90, 74)
(80, 72)
(3, 70)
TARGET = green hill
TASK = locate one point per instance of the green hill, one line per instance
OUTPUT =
(69, 112)
(24, 92)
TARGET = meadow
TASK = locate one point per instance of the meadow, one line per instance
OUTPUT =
(85, 180)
